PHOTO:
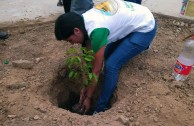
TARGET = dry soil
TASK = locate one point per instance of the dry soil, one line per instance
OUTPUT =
(147, 95)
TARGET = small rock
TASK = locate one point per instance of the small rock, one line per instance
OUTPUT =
(174, 22)
(21, 32)
(131, 119)
(123, 119)
(36, 117)
(120, 111)
(23, 88)
(37, 60)
(17, 85)
(45, 117)
(192, 29)
(177, 84)
(12, 103)
(20, 108)
(177, 23)
(55, 119)
(167, 78)
(11, 116)
(155, 50)
(128, 109)
(155, 119)
(192, 25)
(171, 106)
(178, 30)
(186, 25)
(41, 109)
(180, 96)
(135, 102)
(27, 119)
(24, 64)
(182, 24)
(137, 123)
(13, 121)
(54, 122)
(146, 110)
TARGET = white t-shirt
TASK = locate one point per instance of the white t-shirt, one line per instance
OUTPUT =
(120, 17)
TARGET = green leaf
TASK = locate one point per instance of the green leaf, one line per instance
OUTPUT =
(95, 77)
(79, 59)
(84, 49)
(91, 52)
(91, 56)
(75, 75)
(76, 60)
(90, 76)
(86, 82)
(88, 59)
(71, 74)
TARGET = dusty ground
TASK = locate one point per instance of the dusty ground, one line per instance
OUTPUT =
(147, 94)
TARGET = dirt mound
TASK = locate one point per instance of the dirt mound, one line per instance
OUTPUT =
(146, 94)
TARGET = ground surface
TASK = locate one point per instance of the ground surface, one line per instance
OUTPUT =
(147, 94)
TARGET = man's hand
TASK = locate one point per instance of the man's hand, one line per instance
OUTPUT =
(86, 105)
(82, 95)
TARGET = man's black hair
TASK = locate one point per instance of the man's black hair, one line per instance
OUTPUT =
(66, 23)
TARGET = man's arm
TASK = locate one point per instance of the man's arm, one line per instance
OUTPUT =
(97, 66)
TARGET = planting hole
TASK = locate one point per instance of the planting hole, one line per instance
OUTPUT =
(64, 92)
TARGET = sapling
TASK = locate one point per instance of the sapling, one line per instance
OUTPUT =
(80, 65)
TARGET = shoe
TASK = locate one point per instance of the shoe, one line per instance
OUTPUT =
(3, 35)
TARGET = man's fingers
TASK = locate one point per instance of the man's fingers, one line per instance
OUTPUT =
(86, 110)
(76, 107)
(82, 109)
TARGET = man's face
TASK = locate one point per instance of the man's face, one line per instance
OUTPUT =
(76, 37)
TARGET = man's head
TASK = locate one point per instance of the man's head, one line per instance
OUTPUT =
(70, 27)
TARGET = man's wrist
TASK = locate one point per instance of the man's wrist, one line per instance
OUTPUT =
(89, 97)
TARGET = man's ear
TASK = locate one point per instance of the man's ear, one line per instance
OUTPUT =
(77, 31)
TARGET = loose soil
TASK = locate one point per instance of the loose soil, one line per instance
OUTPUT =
(147, 95)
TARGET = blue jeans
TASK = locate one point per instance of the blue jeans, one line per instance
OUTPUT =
(81, 6)
(116, 55)
(134, 1)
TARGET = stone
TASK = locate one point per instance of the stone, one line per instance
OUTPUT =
(155, 119)
(182, 24)
(131, 119)
(41, 109)
(37, 60)
(122, 119)
(177, 84)
(24, 64)
(17, 85)
(137, 123)
(192, 25)
(36, 117)
(27, 119)
(192, 29)
(11, 116)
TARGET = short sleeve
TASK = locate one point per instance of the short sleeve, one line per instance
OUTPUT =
(99, 38)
